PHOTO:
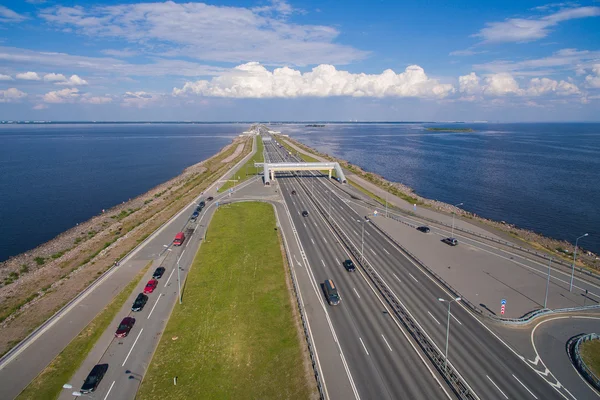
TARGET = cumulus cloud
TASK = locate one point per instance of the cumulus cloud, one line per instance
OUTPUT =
(208, 32)
(522, 30)
(594, 80)
(253, 80)
(140, 99)
(60, 79)
(504, 84)
(29, 76)
(11, 95)
(68, 95)
(5, 77)
(96, 99)
(8, 15)
(54, 77)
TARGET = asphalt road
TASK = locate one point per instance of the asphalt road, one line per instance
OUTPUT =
(491, 368)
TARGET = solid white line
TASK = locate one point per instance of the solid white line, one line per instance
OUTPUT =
(324, 239)
(438, 322)
(526, 388)
(336, 260)
(364, 347)
(155, 303)
(386, 342)
(355, 231)
(372, 251)
(109, 389)
(356, 292)
(386, 251)
(169, 277)
(367, 232)
(494, 383)
(411, 275)
(396, 276)
(182, 253)
(311, 239)
(456, 319)
(322, 262)
(130, 350)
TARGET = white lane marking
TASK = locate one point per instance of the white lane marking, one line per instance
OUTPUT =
(311, 239)
(372, 251)
(396, 276)
(456, 319)
(109, 389)
(438, 322)
(182, 253)
(411, 275)
(322, 262)
(155, 303)
(324, 239)
(526, 388)
(304, 225)
(130, 350)
(336, 260)
(494, 383)
(364, 347)
(386, 342)
(386, 251)
(355, 232)
(356, 292)
(170, 275)
(367, 232)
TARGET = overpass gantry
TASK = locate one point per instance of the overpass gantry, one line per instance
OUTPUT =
(269, 169)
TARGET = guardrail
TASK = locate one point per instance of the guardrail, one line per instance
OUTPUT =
(573, 347)
(458, 385)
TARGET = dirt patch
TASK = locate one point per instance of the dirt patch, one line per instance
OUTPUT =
(58, 270)
(236, 153)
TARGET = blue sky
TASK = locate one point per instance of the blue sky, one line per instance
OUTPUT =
(300, 60)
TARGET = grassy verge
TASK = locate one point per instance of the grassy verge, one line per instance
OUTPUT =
(234, 336)
(48, 384)
(247, 170)
(590, 351)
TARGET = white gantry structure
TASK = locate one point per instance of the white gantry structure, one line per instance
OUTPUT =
(269, 169)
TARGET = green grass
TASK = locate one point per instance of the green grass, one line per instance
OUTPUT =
(590, 352)
(247, 170)
(234, 337)
(48, 384)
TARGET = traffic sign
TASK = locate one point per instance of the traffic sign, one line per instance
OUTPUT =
(503, 301)
(375, 213)
(502, 309)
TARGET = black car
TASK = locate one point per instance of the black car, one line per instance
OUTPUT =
(140, 302)
(198, 209)
(424, 229)
(210, 198)
(93, 379)
(349, 265)
(158, 273)
(201, 204)
(450, 241)
(195, 216)
(305, 213)
(293, 192)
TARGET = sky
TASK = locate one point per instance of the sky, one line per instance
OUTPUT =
(279, 60)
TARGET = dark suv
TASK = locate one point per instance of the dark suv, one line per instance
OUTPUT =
(305, 213)
(93, 379)
(140, 302)
(450, 241)
(424, 229)
(349, 265)
(158, 272)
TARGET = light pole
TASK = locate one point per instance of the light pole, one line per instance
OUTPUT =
(456, 205)
(448, 327)
(547, 283)
(574, 256)
(178, 282)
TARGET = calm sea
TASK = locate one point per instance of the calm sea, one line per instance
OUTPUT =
(543, 177)
(54, 176)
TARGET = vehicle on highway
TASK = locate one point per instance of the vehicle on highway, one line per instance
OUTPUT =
(179, 239)
(367, 218)
(424, 229)
(195, 215)
(450, 241)
(201, 204)
(349, 265)
(158, 273)
(333, 297)
(305, 213)
(140, 302)
(210, 198)
(124, 327)
(93, 379)
(150, 286)
(293, 192)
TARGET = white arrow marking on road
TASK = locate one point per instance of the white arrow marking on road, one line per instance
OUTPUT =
(130, 350)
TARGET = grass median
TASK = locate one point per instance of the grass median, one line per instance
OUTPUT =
(590, 351)
(247, 170)
(48, 384)
(234, 336)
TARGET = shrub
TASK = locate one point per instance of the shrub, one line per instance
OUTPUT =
(40, 260)
(24, 268)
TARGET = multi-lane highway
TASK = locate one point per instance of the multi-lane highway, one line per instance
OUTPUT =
(489, 366)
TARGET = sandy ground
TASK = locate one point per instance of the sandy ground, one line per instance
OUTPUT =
(236, 153)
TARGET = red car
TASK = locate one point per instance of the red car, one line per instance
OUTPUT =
(124, 327)
(150, 286)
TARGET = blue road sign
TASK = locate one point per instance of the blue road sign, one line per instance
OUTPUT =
(503, 301)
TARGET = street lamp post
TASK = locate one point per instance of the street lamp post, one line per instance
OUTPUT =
(178, 282)
(386, 208)
(456, 205)
(448, 327)
(574, 257)
(547, 283)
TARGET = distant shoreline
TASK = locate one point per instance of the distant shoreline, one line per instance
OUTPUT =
(451, 129)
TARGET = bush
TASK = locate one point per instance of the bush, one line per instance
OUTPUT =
(24, 268)
(57, 255)
(40, 260)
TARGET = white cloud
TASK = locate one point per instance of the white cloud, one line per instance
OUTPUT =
(500, 85)
(469, 84)
(40, 106)
(54, 77)
(140, 99)
(504, 84)
(252, 80)
(120, 53)
(68, 95)
(96, 99)
(74, 80)
(29, 76)
(207, 32)
(526, 30)
(11, 95)
(8, 15)
(5, 77)
(594, 81)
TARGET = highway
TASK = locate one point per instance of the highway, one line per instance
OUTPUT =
(490, 367)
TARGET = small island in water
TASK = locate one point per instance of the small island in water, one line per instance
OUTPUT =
(450, 129)
(315, 126)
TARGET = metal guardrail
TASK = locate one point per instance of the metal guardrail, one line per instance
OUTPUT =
(449, 373)
(573, 346)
